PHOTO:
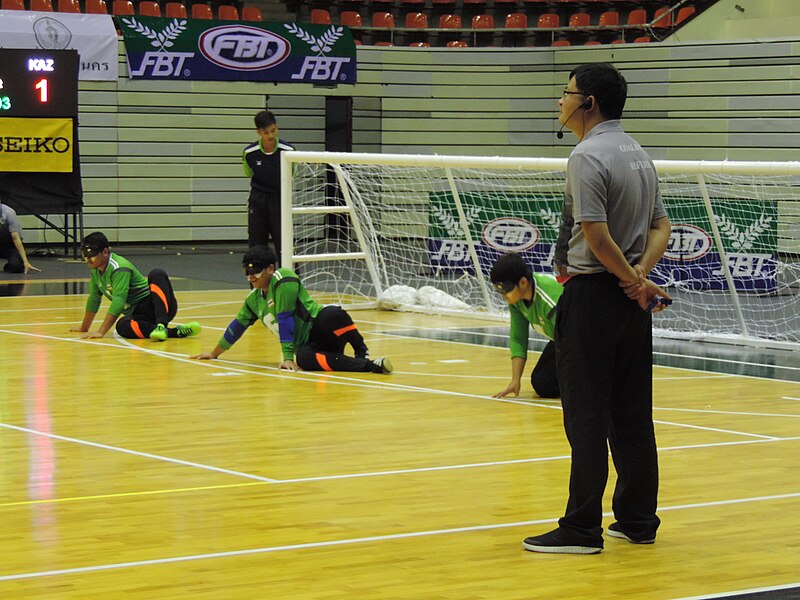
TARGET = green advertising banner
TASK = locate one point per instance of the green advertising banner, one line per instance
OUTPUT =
(196, 49)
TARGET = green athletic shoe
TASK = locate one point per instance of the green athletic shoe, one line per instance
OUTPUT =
(188, 330)
(160, 333)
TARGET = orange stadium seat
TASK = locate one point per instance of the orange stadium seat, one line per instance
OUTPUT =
(644, 39)
(663, 18)
(416, 21)
(202, 11)
(13, 5)
(457, 44)
(122, 8)
(42, 5)
(252, 13)
(350, 18)
(320, 16)
(638, 16)
(549, 21)
(579, 20)
(516, 21)
(419, 45)
(96, 7)
(560, 43)
(450, 21)
(684, 13)
(175, 10)
(383, 19)
(610, 18)
(148, 8)
(483, 22)
(69, 6)
(226, 12)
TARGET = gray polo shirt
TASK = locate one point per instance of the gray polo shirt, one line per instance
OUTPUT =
(610, 178)
(9, 222)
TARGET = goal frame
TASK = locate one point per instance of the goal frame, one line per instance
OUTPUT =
(336, 160)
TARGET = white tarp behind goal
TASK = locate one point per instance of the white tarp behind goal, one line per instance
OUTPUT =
(411, 232)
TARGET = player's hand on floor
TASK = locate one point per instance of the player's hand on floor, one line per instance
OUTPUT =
(204, 356)
(512, 389)
(289, 365)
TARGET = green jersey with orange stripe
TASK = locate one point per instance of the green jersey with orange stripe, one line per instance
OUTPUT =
(285, 308)
(121, 283)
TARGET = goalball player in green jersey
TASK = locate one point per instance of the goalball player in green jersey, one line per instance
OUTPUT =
(312, 337)
(532, 299)
(146, 304)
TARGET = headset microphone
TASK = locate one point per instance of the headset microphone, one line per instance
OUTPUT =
(585, 105)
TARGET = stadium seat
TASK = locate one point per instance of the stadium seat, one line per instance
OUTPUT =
(440, 2)
(148, 8)
(457, 44)
(175, 10)
(419, 45)
(383, 19)
(412, 2)
(42, 5)
(560, 43)
(320, 16)
(13, 5)
(227, 12)
(252, 13)
(350, 18)
(499, 3)
(638, 16)
(593, 43)
(684, 13)
(610, 18)
(483, 22)
(549, 21)
(579, 20)
(450, 21)
(384, 43)
(516, 21)
(644, 39)
(202, 11)
(69, 6)
(122, 8)
(416, 21)
(96, 7)
(620, 41)
(663, 18)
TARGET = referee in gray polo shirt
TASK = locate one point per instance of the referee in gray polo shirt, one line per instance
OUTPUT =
(617, 230)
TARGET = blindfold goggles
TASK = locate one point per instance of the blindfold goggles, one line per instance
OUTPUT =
(504, 287)
(253, 269)
(90, 252)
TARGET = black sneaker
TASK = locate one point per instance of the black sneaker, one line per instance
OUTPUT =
(615, 530)
(563, 541)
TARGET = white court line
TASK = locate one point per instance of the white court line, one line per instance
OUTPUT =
(741, 593)
(177, 461)
(790, 398)
(360, 540)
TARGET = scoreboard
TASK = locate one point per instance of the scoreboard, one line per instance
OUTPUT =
(38, 83)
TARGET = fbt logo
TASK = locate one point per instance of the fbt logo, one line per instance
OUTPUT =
(162, 64)
(243, 48)
(687, 242)
(749, 265)
(321, 68)
(510, 234)
(450, 252)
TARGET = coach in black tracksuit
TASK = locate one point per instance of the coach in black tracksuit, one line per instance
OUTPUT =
(262, 163)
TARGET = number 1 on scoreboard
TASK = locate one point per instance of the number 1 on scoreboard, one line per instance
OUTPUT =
(41, 85)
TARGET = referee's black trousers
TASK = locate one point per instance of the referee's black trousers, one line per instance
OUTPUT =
(604, 358)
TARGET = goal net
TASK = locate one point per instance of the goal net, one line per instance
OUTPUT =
(420, 233)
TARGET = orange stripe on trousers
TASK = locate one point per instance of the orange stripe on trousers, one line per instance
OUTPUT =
(160, 293)
(323, 362)
(136, 330)
(344, 330)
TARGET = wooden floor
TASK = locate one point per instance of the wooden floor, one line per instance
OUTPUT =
(130, 471)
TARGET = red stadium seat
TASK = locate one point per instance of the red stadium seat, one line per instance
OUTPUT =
(42, 5)
(148, 8)
(350, 18)
(419, 45)
(122, 8)
(662, 19)
(516, 21)
(644, 39)
(13, 5)
(457, 44)
(320, 16)
(226, 12)
(383, 19)
(549, 21)
(69, 6)
(384, 43)
(483, 22)
(638, 16)
(96, 7)
(610, 18)
(175, 10)
(202, 11)
(579, 20)
(450, 21)
(684, 13)
(593, 43)
(252, 13)
(416, 21)
(560, 43)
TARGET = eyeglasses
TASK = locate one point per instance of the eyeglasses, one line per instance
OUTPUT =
(504, 287)
(569, 93)
(254, 270)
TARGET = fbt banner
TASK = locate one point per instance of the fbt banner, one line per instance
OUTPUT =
(36, 145)
(529, 226)
(192, 49)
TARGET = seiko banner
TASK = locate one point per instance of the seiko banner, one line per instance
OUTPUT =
(36, 145)
(169, 49)
(93, 36)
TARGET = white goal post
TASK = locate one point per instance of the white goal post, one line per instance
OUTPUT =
(420, 233)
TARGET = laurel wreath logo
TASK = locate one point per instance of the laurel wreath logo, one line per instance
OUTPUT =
(550, 218)
(321, 44)
(742, 240)
(451, 223)
(159, 39)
